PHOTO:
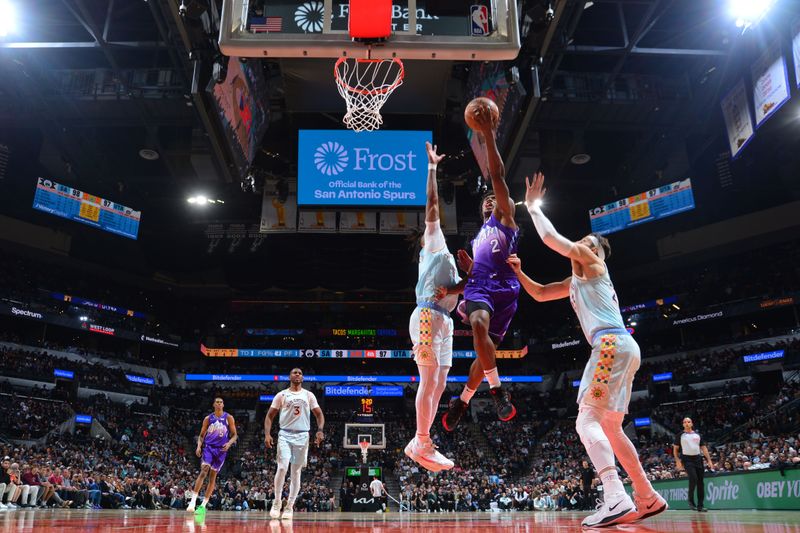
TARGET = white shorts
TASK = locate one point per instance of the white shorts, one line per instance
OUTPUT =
(293, 448)
(608, 377)
(441, 337)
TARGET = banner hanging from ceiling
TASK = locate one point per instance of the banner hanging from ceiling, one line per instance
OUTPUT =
(770, 83)
(738, 121)
(796, 50)
(357, 222)
(277, 216)
(317, 222)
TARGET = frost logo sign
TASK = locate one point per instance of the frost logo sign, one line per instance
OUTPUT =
(331, 158)
(378, 169)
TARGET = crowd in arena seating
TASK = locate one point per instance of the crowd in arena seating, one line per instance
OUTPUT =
(719, 364)
(29, 363)
(535, 462)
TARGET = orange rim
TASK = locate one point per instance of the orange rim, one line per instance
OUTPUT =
(359, 90)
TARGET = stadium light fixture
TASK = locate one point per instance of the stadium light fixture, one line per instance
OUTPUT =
(749, 12)
(8, 18)
(201, 199)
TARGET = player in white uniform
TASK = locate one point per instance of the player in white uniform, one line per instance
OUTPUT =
(378, 491)
(605, 389)
(431, 327)
(295, 405)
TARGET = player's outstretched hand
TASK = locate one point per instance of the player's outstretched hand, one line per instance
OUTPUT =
(433, 157)
(319, 438)
(515, 263)
(464, 261)
(268, 441)
(484, 120)
(534, 190)
(198, 452)
(226, 446)
(440, 293)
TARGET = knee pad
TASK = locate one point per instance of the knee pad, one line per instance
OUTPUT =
(589, 428)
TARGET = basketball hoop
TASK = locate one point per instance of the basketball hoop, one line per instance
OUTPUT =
(364, 445)
(365, 85)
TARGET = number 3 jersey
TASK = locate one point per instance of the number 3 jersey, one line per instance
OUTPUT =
(490, 249)
(295, 408)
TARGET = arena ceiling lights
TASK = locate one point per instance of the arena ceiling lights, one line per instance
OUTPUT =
(749, 12)
(7, 18)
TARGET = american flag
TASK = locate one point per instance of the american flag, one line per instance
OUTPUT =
(266, 24)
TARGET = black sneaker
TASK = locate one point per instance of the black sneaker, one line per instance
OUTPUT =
(702, 510)
(692, 507)
(502, 400)
(454, 412)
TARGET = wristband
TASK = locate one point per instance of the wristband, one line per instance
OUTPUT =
(432, 166)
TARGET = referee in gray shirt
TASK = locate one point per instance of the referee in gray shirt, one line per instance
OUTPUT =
(687, 456)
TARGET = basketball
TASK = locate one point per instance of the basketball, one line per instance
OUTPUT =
(476, 103)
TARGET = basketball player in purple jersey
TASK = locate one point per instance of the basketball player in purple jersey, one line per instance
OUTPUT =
(492, 288)
(216, 437)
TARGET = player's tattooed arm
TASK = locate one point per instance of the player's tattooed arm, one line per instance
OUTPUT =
(504, 207)
(464, 263)
(268, 426)
(202, 436)
(233, 432)
(320, 436)
(537, 291)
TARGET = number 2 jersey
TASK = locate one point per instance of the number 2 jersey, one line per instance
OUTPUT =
(295, 409)
(490, 249)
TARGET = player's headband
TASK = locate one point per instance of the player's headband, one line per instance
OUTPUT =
(596, 243)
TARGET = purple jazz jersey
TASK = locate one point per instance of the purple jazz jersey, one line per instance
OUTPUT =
(492, 281)
(216, 437)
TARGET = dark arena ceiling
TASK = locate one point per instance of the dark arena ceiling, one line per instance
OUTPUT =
(635, 84)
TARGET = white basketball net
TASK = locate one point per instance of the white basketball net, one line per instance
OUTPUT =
(365, 84)
(364, 444)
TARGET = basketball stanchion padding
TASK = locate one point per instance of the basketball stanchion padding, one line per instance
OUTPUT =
(370, 20)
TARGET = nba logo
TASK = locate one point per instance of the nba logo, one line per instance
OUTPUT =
(479, 16)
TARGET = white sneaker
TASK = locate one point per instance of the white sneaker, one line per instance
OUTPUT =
(425, 454)
(288, 513)
(647, 507)
(616, 509)
(191, 508)
(275, 512)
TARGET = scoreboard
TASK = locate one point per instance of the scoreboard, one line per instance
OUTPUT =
(661, 202)
(72, 204)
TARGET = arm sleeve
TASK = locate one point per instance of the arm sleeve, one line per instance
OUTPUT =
(702, 441)
(312, 401)
(677, 442)
(547, 232)
(434, 238)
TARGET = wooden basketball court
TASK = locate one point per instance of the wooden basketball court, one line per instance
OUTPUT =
(161, 521)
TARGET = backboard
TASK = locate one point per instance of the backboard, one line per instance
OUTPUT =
(355, 433)
(464, 30)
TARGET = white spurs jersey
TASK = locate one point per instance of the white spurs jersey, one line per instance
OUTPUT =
(295, 408)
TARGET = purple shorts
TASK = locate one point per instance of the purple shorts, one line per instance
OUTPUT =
(213, 456)
(499, 295)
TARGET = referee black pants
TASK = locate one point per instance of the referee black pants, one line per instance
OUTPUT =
(694, 469)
